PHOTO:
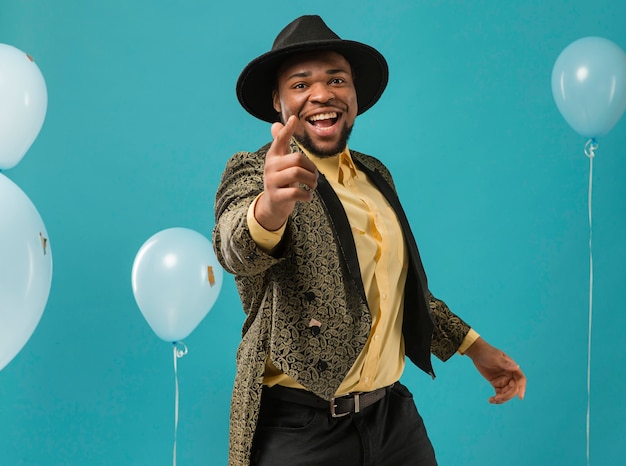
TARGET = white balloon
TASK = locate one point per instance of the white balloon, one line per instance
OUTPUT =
(23, 104)
(25, 269)
(176, 279)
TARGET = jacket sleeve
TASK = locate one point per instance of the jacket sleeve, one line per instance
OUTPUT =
(241, 183)
(450, 330)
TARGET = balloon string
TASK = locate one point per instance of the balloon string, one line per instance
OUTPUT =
(180, 349)
(590, 148)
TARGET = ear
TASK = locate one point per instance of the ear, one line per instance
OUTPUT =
(276, 100)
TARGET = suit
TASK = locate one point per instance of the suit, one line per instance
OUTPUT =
(312, 275)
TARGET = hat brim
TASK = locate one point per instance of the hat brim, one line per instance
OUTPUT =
(257, 80)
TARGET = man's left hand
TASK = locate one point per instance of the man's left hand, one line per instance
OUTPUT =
(500, 370)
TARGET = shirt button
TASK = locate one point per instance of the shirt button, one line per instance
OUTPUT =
(376, 337)
(322, 366)
(384, 296)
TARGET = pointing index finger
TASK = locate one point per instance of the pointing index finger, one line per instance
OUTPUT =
(282, 134)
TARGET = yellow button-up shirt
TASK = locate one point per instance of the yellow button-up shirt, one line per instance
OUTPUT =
(383, 262)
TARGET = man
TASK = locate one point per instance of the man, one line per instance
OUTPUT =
(328, 272)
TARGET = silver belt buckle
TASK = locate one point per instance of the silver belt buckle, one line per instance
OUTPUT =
(334, 414)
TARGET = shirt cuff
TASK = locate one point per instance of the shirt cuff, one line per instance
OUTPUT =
(266, 240)
(468, 341)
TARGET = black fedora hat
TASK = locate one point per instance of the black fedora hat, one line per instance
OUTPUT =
(309, 33)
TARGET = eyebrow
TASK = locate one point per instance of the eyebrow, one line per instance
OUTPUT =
(306, 74)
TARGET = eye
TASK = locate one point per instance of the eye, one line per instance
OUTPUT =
(337, 81)
(299, 86)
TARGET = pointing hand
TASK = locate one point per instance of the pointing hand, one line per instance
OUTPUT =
(288, 178)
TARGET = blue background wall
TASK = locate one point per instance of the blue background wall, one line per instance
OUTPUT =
(142, 117)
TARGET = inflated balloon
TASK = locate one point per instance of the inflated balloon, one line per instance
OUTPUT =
(25, 269)
(589, 85)
(23, 104)
(176, 279)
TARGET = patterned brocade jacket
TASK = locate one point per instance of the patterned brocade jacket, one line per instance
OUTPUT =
(312, 274)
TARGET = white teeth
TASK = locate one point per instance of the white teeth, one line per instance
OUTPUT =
(323, 116)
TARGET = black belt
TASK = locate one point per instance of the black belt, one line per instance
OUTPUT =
(339, 407)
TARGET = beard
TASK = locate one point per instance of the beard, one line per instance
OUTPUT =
(309, 145)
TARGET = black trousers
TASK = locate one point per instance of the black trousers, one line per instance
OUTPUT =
(388, 433)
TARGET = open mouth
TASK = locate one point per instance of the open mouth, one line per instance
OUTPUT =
(323, 120)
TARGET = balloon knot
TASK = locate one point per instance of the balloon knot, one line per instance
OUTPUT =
(180, 349)
(590, 148)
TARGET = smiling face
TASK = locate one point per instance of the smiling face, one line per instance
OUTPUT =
(318, 88)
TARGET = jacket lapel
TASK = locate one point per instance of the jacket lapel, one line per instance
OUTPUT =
(342, 230)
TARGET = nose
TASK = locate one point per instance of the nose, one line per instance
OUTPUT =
(322, 93)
